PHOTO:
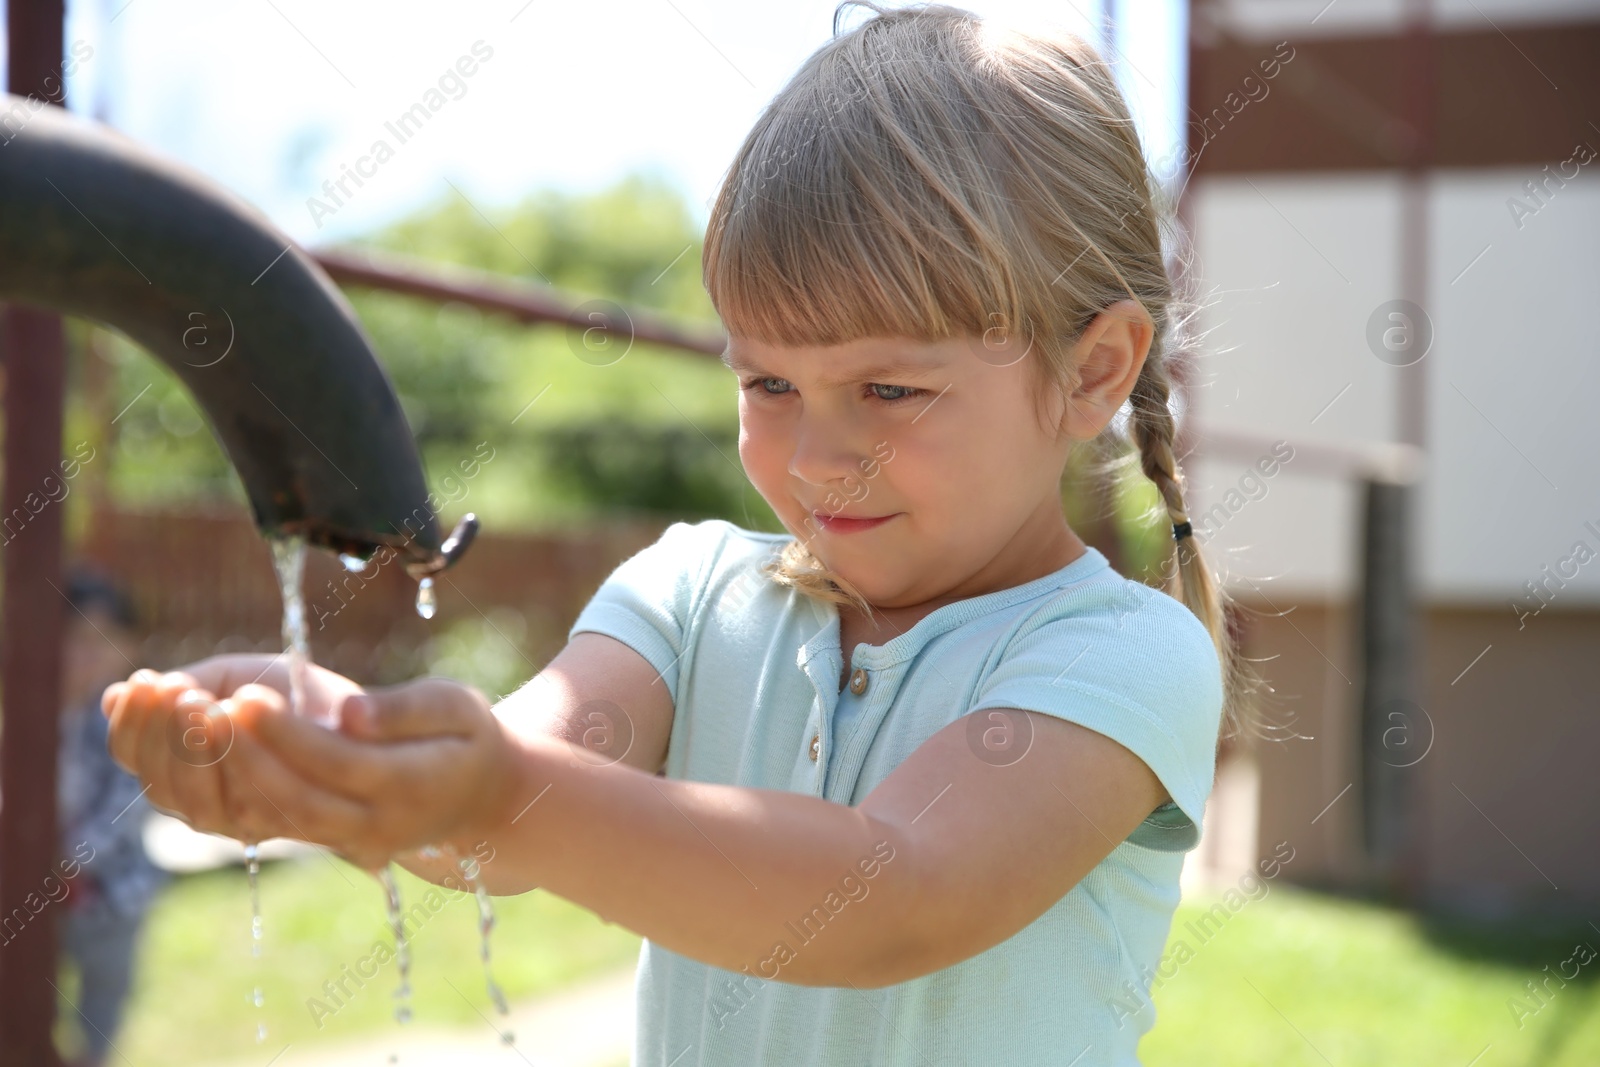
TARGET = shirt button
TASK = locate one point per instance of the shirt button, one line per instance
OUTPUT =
(858, 682)
(816, 747)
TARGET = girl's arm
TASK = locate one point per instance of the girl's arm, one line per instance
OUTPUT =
(947, 857)
(180, 738)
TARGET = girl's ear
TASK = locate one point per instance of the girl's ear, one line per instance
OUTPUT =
(1108, 358)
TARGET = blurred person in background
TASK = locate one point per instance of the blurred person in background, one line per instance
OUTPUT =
(101, 811)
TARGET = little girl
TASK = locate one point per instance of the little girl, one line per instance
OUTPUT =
(910, 784)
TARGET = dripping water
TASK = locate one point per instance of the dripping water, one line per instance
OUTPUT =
(292, 562)
(252, 871)
(289, 561)
(470, 868)
(288, 557)
(427, 604)
(402, 949)
(391, 889)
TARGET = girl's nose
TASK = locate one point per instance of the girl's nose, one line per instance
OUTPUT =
(825, 455)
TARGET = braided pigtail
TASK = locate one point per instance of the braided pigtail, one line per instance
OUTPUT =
(1186, 577)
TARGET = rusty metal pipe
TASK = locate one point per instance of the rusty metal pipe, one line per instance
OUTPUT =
(95, 225)
(520, 300)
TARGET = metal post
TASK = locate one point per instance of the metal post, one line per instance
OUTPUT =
(31, 344)
(1394, 728)
(1417, 100)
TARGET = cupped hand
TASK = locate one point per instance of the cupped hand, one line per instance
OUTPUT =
(173, 732)
(420, 763)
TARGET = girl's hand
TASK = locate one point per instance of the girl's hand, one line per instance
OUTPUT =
(171, 731)
(408, 765)
(420, 763)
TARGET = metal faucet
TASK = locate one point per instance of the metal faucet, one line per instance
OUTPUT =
(95, 225)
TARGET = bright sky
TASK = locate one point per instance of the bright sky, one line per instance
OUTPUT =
(274, 97)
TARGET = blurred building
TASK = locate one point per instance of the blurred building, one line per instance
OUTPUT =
(1395, 208)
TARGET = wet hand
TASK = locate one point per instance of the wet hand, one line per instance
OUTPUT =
(173, 733)
(421, 763)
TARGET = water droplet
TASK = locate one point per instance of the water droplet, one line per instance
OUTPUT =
(402, 949)
(352, 562)
(252, 868)
(427, 600)
(507, 1037)
(472, 870)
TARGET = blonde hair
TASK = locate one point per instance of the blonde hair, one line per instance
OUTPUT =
(929, 175)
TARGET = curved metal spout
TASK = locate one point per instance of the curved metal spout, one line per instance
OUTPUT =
(94, 225)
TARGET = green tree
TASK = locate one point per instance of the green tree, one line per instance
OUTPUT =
(652, 432)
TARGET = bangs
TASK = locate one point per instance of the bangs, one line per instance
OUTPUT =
(849, 214)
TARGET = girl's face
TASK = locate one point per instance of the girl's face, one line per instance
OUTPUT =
(944, 440)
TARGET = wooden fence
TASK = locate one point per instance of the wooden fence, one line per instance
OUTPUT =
(203, 582)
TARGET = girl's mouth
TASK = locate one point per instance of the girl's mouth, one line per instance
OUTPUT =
(846, 523)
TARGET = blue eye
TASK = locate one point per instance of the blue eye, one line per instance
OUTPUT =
(907, 393)
(754, 385)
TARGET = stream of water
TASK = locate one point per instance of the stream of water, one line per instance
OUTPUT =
(288, 558)
(252, 870)
(469, 867)
(402, 947)
(289, 554)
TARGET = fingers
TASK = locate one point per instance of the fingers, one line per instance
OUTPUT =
(423, 708)
(159, 733)
(226, 673)
(229, 673)
(123, 729)
(265, 798)
(124, 721)
(109, 698)
(199, 761)
(262, 700)
(247, 768)
(136, 702)
(205, 739)
(315, 753)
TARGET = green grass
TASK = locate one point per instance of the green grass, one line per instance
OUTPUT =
(1295, 978)
(190, 1002)
(1301, 978)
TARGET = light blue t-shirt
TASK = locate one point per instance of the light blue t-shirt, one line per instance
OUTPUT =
(754, 671)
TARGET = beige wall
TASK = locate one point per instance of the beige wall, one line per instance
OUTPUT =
(1508, 796)
(1292, 267)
